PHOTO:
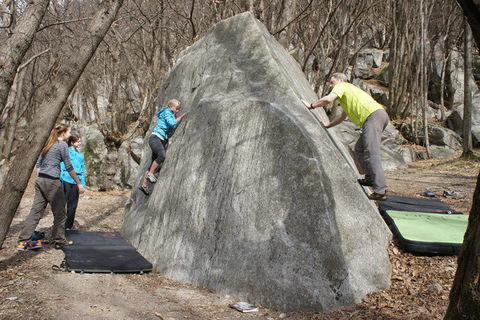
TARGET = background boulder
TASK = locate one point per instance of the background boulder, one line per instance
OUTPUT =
(455, 120)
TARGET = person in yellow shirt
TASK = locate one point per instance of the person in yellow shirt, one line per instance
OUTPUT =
(369, 115)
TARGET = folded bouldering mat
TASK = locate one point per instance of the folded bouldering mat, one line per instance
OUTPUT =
(102, 252)
(414, 204)
(424, 226)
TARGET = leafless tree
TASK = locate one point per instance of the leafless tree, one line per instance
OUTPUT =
(467, 101)
(47, 112)
(465, 294)
(15, 47)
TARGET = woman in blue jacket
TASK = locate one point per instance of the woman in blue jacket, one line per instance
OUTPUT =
(70, 188)
(167, 121)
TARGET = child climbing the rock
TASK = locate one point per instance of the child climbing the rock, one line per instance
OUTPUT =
(167, 121)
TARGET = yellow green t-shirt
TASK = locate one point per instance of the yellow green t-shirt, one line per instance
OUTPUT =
(355, 102)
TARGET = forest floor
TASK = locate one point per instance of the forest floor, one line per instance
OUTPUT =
(30, 289)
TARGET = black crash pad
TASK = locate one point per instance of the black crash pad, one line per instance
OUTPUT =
(415, 205)
(102, 252)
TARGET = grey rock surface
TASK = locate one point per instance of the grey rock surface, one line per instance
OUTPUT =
(437, 136)
(95, 151)
(379, 95)
(455, 120)
(455, 79)
(444, 137)
(377, 55)
(363, 65)
(385, 75)
(256, 199)
(361, 84)
(128, 154)
(438, 152)
(435, 287)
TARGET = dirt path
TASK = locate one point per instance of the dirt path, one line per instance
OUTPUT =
(29, 289)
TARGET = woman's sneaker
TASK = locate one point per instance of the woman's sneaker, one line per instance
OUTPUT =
(151, 177)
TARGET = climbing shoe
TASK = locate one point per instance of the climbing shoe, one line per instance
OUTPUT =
(59, 244)
(22, 245)
(151, 177)
(378, 196)
(144, 190)
(37, 235)
(36, 244)
(365, 182)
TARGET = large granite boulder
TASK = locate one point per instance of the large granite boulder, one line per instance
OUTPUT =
(454, 76)
(256, 199)
(455, 120)
(363, 65)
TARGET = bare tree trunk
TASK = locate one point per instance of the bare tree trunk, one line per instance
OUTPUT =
(14, 49)
(284, 18)
(423, 75)
(12, 120)
(442, 83)
(465, 293)
(17, 178)
(471, 8)
(467, 105)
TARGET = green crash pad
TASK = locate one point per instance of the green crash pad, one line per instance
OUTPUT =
(428, 233)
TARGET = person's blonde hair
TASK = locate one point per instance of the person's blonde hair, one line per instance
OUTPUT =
(173, 103)
(53, 137)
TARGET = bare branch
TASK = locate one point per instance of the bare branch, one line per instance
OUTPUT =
(31, 59)
(294, 19)
(63, 22)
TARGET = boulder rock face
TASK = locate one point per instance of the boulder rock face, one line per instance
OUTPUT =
(437, 136)
(454, 78)
(128, 153)
(94, 148)
(256, 199)
(455, 120)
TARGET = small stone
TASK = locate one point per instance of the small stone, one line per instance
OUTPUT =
(449, 269)
(435, 287)
(11, 282)
(20, 274)
(422, 310)
(11, 298)
(282, 315)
